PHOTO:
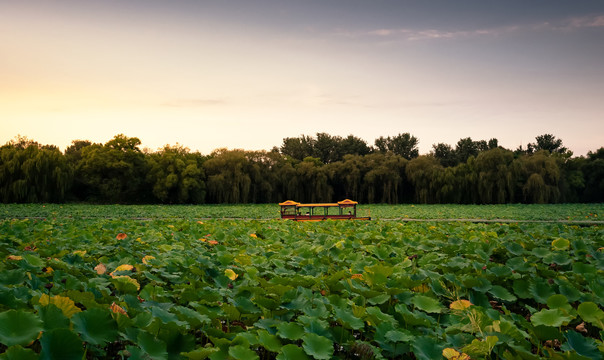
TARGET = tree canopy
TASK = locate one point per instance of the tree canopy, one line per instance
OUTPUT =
(305, 168)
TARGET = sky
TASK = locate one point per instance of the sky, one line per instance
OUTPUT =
(209, 74)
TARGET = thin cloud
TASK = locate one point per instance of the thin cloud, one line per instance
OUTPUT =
(426, 34)
(194, 102)
(408, 34)
(575, 23)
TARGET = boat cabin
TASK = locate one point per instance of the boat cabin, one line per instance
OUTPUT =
(342, 210)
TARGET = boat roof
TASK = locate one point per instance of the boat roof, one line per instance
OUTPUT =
(346, 202)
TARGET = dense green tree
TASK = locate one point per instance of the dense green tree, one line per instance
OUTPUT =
(327, 148)
(298, 147)
(404, 145)
(384, 179)
(30, 172)
(176, 176)
(227, 179)
(546, 142)
(465, 148)
(496, 178)
(114, 172)
(352, 145)
(542, 175)
(321, 168)
(313, 184)
(420, 172)
(593, 168)
(445, 154)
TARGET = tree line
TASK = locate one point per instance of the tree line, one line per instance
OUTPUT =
(306, 168)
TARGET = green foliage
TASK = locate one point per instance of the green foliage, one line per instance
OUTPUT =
(317, 346)
(95, 326)
(18, 327)
(348, 289)
(307, 169)
(30, 172)
(61, 344)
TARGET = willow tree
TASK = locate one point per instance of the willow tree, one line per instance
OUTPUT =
(227, 178)
(593, 168)
(496, 176)
(114, 172)
(420, 172)
(542, 174)
(313, 181)
(176, 175)
(30, 172)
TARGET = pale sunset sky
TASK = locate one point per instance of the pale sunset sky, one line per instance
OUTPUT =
(247, 73)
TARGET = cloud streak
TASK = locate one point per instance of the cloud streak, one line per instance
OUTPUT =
(409, 34)
(190, 103)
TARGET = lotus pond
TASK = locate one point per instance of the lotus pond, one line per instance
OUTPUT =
(566, 212)
(169, 288)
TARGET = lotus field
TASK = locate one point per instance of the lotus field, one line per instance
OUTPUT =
(141, 286)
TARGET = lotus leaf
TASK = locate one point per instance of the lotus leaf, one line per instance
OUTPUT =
(61, 344)
(552, 317)
(96, 326)
(317, 346)
(18, 327)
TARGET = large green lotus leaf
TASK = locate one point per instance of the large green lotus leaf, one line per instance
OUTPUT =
(240, 352)
(61, 344)
(155, 348)
(559, 301)
(314, 325)
(568, 290)
(191, 316)
(552, 317)
(584, 269)
(583, 346)
(292, 352)
(501, 271)
(96, 326)
(426, 348)
(377, 316)
(427, 304)
(399, 336)
(18, 327)
(480, 349)
(521, 288)
(52, 317)
(480, 284)
(291, 330)
(515, 248)
(560, 244)
(597, 287)
(540, 290)
(502, 293)
(244, 303)
(518, 264)
(18, 353)
(166, 316)
(379, 299)
(591, 313)
(176, 341)
(12, 277)
(270, 342)
(200, 353)
(317, 346)
(561, 258)
(541, 252)
(34, 260)
(413, 318)
(348, 319)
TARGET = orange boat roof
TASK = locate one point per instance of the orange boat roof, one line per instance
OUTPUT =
(346, 202)
(289, 203)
